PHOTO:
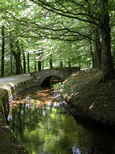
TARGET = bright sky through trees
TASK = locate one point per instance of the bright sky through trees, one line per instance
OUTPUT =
(64, 31)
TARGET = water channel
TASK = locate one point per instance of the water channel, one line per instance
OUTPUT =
(39, 123)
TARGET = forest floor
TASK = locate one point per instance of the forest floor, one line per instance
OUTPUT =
(86, 98)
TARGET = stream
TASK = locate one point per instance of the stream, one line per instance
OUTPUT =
(40, 124)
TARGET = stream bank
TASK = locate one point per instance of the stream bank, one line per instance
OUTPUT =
(9, 87)
(87, 99)
(83, 99)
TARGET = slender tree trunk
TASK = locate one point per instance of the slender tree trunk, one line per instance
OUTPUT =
(91, 51)
(11, 63)
(61, 62)
(18, 66)
(12, 53)
(18, 63)
(69, 62)
(35, 68)
(17, 58)
(39, 65)
(3, 50)
(107, 62)
(93, 58)
(92, 54)
(51, 65)
(24, 62)
(42, 64)
(98, 49)
(16, 55)
(28, 62)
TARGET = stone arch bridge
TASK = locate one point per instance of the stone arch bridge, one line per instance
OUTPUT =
(43, 77)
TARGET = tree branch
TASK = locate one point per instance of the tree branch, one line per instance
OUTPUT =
(68, 14)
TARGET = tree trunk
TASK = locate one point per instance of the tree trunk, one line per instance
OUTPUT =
(61, 62)
(107, 62)
(3, 50)
(17, 57)
(92, 54)
(51, 65)
(91, 51)
(28, 62)
(24, 62)
(35, 69)
(93, 59)
(98, 49)
(11, 58)
(69, 62)
(39, 66)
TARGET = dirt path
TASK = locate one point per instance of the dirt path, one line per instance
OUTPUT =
(14, 78)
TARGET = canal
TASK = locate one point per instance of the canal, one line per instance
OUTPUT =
(42, 126)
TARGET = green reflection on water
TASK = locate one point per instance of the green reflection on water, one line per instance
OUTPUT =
(43, 129)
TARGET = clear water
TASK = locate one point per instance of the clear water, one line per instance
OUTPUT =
(42, 127)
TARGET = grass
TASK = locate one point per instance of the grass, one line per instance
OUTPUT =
(87, 100)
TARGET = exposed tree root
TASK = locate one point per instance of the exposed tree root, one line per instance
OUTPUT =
(103, 80)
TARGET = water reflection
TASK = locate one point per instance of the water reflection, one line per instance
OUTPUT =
(40, 126)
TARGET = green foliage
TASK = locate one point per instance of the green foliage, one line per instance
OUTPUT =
(59, 31)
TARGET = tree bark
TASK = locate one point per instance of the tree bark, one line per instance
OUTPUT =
(28, 62)
(98, 49)
(93, 59)
(61, 62)
(24, 61)
(69, 62)
(107, 62)
(51, 65)
(35, 68)
(17, 58)
(16, 55)
(18, 63)
(11, 58)
(39, 66)
(3, 50)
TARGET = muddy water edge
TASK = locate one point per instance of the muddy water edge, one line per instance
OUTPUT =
(40, 123)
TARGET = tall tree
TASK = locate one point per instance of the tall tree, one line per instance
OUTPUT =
(24, 60)
(16, 53)
(107, 62)
(98, 49)
(3, 51)
(78, 11)
(28, 62)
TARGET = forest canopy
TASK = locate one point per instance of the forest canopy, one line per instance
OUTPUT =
(42, 34)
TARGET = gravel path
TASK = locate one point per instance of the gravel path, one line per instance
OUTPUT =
(14, 78)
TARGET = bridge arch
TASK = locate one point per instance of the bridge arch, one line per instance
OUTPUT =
(43, 77)
(51, 79)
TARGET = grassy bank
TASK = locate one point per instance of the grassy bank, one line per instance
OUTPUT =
(88, 99)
